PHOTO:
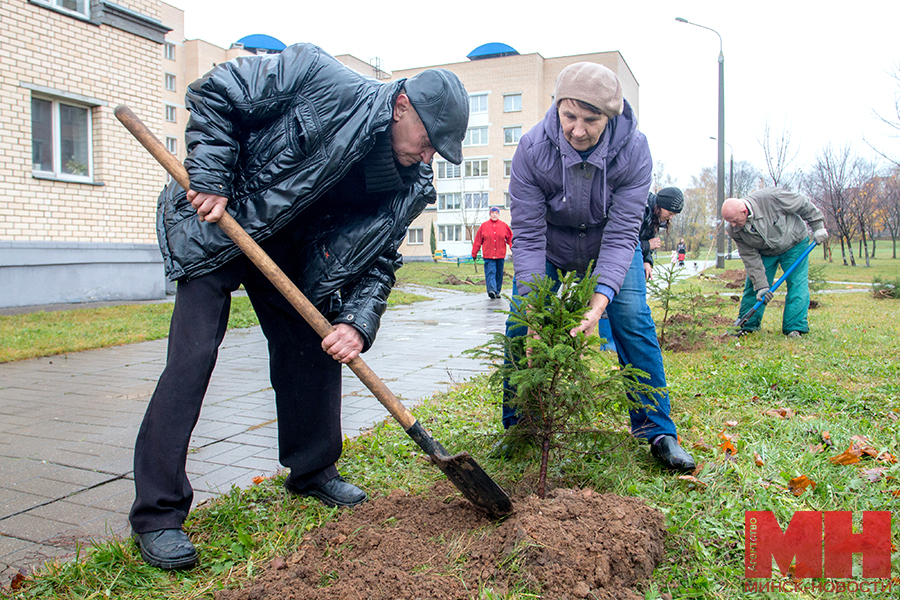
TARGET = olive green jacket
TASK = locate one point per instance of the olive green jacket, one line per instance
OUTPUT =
(778, 221)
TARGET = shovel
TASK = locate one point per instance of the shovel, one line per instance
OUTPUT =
(740, 322)
(461, 469)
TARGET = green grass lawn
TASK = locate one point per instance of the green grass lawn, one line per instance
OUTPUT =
(49, 333)
(842, 379)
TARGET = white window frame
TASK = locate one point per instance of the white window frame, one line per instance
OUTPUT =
(455, 230)
(443, 203)
(173, 110)
(507, 168)
(475, 106)
(510, 132)
(483, 200)
(57, 172)
(470, 167)
(415, 236)
(506, 198)
(447, 170)
(169, 51)
(170, 82)
(59, 5)
(471, 139)
(511, 97)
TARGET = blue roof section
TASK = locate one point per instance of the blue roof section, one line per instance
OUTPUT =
(261, 41)
(491, 50)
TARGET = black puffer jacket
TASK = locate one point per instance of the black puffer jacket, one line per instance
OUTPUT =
(649, 228)
(273, 134)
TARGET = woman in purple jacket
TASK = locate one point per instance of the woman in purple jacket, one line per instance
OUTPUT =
(578, 188)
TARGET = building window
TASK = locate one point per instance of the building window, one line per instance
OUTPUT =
(478, 104)
(477, 200)
(512, 102)
(507, 168)
(449, 201)
(169, 50)
(170, 82)
(81, 7)
(511, 135)
(476, 136)
(415, 237)
(449, 233)
(446, 170)
(476, 168)
(171, 114)
(61, 139)
(505, 199)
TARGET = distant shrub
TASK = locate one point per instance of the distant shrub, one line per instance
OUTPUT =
(885, 289)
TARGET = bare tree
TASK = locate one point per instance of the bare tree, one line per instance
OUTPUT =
(779, 155)
(661, 179)
(889, 206)
(832, 184)
(894, 121)
(863, 205)
(747, 178)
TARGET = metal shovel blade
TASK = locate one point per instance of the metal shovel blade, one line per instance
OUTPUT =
(464, 473)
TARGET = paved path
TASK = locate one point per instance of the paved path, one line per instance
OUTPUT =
(68, 423)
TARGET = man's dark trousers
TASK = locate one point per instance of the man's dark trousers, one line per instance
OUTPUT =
(305, 378)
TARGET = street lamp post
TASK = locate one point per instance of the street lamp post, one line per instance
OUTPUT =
(720, 177)
(730, 184)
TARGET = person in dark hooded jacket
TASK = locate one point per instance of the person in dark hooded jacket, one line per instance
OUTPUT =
(325, 169)
(579, 185)
(661, 207)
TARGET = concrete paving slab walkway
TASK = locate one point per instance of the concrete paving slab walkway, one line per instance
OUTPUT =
(68, 423)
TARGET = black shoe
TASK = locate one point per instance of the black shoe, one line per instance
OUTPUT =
(671, 455)
(168, 549)
(336, 492)
(492, 295)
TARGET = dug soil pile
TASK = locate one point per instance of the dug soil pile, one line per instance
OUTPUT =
(573, 544)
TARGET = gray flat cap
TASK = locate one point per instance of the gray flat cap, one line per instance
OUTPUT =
(441, 101)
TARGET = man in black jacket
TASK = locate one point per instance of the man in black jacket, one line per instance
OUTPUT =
(325, 169)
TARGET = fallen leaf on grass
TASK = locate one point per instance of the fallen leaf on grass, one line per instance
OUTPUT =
(850, 456)
(731, 423)
(798, 485)
(728, 448)
(17, 581)
(758, 459)
(783, 413)
(693, 480)
(816, 448)
(826, 437)
(702, 446)
(259, 479)
(875, 474)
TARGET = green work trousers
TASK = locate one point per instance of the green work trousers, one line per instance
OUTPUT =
(796, 305)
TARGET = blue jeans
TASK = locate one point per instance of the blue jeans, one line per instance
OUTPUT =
(493, 274)
(634, 335)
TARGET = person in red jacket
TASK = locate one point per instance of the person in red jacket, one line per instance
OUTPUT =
(492, 238)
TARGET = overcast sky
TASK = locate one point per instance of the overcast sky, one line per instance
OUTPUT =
(817, 68)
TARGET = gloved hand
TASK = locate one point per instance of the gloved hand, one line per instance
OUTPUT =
(764, 295)
(820, 235)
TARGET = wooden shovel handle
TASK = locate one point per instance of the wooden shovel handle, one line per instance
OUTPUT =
(268, 267)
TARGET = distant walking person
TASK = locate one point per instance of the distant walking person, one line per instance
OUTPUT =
(770, 229)
(492, 239)
(681, 251)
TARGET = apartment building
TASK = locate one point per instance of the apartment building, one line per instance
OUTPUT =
(508, 94)
(77, 192)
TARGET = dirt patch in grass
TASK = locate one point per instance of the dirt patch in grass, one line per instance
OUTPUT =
(573, 544)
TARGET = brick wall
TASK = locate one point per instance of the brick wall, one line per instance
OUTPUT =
(46, 49)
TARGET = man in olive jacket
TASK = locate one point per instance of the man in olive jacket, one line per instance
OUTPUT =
(769, 228)
(325, 169)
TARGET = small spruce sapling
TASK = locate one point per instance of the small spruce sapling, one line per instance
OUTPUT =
(561, 392)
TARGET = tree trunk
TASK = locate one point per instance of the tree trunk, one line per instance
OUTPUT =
(545, 458)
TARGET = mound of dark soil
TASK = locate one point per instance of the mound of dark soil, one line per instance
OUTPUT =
(573, 544)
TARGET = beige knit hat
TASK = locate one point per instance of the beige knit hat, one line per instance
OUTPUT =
(591, 83)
